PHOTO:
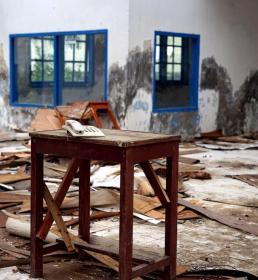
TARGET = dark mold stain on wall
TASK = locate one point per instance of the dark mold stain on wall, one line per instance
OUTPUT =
(10, 117)
(237, 112)
(125, 81)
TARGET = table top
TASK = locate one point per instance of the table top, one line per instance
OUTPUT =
(113, 137)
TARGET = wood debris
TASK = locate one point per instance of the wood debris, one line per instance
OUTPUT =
(105, 185)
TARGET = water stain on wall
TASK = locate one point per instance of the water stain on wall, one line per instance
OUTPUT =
(237, 112)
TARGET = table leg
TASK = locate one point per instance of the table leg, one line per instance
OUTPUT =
(126, 219)
(171, 215)
(84, 200)
(36, 212)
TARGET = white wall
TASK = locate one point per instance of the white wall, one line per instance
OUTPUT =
(228, 31)
(29, 16)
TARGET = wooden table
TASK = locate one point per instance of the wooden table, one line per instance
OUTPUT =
(126, 148)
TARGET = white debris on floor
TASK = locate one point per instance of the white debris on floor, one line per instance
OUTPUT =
(12, 273)
(204, 243)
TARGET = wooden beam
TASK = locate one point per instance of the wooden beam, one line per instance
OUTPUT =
(53, 208)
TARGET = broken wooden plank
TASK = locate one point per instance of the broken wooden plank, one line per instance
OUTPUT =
(10, 196)
(188, 160)
(246, 178)
(3, 219)
(143, 204)
(143, 186)
(187, 215)
(53, 208)
(7, 205)
(9, 178)
(45, 119)
(12, 250)
(223, 219)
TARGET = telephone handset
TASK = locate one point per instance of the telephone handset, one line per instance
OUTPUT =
(77, 129)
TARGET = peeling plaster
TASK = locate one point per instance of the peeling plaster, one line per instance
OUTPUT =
(237, 112)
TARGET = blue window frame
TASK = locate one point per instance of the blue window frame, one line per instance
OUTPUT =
(175, 72)
(78, 60)
(41, 60)
(49, 69)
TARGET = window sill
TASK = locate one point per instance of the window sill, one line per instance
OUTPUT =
(177, 109)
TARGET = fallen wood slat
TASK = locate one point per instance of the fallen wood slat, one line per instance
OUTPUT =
(18, 253)
(9, 178)
(143, 186)
(8, 197)
(6, 205)
(95, 216)
(46, 259)
(223, 219)
(188, 160)
(187, 215)
(191, 151)
(13, 162)
(249, 179)
(45, 119)
(53, 208)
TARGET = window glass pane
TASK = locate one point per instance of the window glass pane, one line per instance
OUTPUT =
(169, 40)
(169, 71)
(178, 41)
(79, 72)
(81, 37)
(177, 72)
(70, 39)
(82, 71)
(169, 68)
(68, 72)
(177, 54)
(157, 40)
(48, 49)
(80, 51)
(36, 71)
(173, 89)
(68, 51)
(29, 86)
(36, 48)
(170, 54)
(157, 53)
(48, 71)
(169, 76)
(157, 71)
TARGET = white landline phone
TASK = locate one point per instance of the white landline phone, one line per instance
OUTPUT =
(77, 129)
